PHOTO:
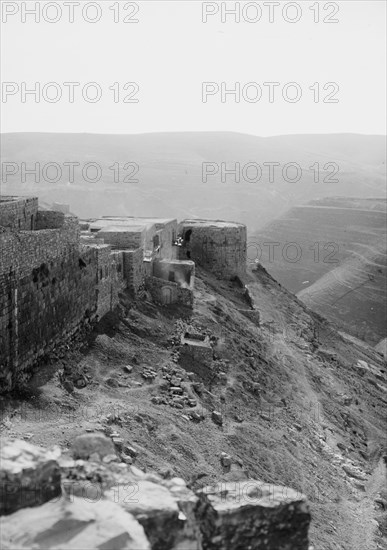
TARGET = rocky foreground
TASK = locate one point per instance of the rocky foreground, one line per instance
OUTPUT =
(93, 499)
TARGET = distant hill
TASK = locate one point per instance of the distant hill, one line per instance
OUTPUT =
(170, 179)
(332, 254)
(354, 293)
(323, 233)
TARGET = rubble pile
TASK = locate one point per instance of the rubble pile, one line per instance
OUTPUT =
(175, 391)
(179, 387)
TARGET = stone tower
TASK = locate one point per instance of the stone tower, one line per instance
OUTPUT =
(217, 246)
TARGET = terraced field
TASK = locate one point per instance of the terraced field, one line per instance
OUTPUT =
(340, 270)
(325, 234)
(354, 293)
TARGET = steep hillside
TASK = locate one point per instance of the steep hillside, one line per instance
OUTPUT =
(381, 347)
(295, 402)
(354, 293)
(325, 233)
(165, 175)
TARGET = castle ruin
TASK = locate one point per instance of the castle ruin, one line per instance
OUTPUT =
(57, 274)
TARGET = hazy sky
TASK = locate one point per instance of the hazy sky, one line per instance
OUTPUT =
(170, 52)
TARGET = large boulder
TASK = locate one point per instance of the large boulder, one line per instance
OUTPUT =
(154, 507)
(29, 475)
(165, 511)
(189, 538)
(73, 524)
(251, 514)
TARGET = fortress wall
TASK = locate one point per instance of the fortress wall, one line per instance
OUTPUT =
(103, 286)
(110, 279)
(42, 308)
(123, 239)
(219, 249)
(49, 288)
(167, 234)
(6, 309)
(48, 219)
(22, 251)
(18, 213)
(51, 284)
(150, 232)
(134, 270)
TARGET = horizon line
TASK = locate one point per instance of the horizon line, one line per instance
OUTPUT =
(196, 132)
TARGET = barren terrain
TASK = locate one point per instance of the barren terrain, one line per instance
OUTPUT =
(297, 408)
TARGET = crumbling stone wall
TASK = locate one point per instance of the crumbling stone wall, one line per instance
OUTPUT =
(166, 292)
(219, 247)
(110, 278)
(185, 296)
(42, 303)
(49, 286)
(21, 251)
(197, 356)
(176, 271)
(18, 213)
(198, 350)
(50, 281)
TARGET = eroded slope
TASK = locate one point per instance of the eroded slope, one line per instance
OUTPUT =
(296, 407)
